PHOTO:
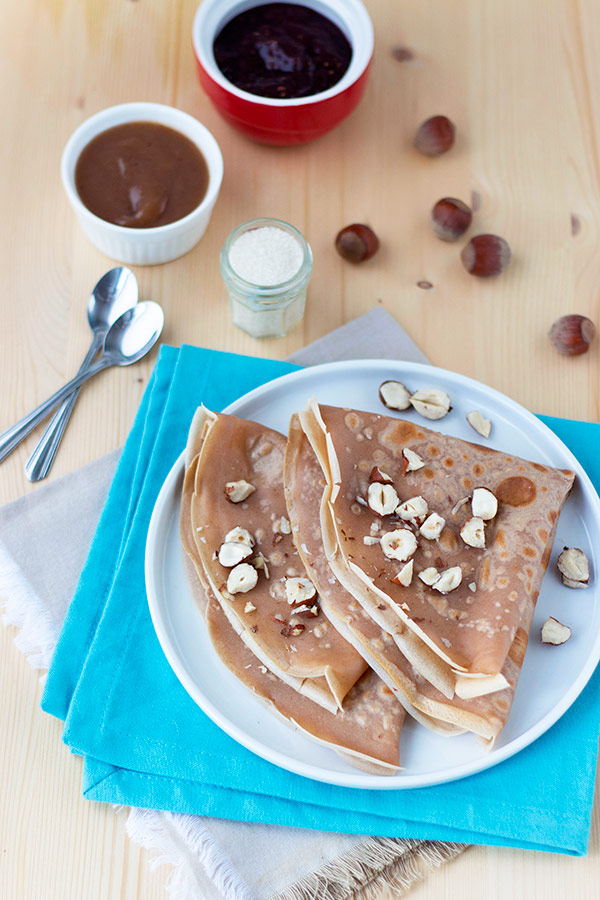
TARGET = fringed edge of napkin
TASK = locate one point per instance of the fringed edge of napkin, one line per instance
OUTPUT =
(199, 864)
(362, 872)
(22, 607)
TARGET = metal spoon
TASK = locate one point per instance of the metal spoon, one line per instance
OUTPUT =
(128, 339)
(116, 292)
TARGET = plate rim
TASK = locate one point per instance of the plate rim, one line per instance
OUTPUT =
(358, 779)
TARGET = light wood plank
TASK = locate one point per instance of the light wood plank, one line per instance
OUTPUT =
(521, 81)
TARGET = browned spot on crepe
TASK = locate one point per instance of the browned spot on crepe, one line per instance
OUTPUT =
(552, 516)
(478, 470)
(539, 467)
(467, 483)
(516, 491)
(529, 552)
(433, 451)
(403, 432)
(428, 473)
(485, 572)
(500, 538)
(529, 571)
(546, 555)
(543, 535)
(449, 462)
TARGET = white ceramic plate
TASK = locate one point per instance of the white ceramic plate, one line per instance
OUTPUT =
(551, 678)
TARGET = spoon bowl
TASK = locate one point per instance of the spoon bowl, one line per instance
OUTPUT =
(133, 334)
(115, 292)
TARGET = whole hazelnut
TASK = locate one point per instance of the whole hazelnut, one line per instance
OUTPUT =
(572, 335)
(485, 255)
(450, 218)
(435, 136)
(356, 243)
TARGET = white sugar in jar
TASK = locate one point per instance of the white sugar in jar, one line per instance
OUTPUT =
(266, 265)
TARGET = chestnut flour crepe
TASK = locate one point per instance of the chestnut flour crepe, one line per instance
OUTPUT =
(314, 659)
(485, 716)
(365, 732)
(465, 635)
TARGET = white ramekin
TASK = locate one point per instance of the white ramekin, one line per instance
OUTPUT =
(144, 246)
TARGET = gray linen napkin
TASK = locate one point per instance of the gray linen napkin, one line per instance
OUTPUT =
(212, 858)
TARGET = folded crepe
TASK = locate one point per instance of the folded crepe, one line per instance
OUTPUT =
(365, 732)
(485, 715)
(464, 633)
(240, 530)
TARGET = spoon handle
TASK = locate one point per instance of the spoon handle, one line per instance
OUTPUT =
(12, 437)
(40, 462)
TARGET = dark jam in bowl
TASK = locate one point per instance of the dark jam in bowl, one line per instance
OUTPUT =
(141, 175)
(282, 50)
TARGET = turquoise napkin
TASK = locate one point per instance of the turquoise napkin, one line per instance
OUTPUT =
(146, 743)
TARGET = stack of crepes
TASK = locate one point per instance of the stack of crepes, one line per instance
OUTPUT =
(364, 567)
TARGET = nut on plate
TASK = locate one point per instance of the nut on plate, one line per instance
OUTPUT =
(299, 590)
(432, 527)
(404, 576)
(237, 491)
(233, 552)
(481, 425)
(484, 504)
(382, 498)
(412, 509)
(399, 544)
(431, 403)
(394, 395)
(242, 579)
(473, 532)
(574, 567)
(554, 632)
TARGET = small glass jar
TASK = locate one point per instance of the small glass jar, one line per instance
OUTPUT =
(266, 310)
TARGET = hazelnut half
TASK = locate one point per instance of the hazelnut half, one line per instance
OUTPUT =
(394, 395)
(357, 243)
(572, 335)
(554, 632)
(485, 255)
(435, 136)
(450, 218)
(574, 567)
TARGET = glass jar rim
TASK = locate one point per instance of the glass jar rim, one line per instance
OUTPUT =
(300, 276)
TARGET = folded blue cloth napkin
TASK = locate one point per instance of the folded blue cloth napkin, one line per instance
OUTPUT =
(147, 744)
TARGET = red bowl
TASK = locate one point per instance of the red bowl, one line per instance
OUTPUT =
(297, 120)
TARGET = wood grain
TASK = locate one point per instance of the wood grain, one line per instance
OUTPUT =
(522, 83)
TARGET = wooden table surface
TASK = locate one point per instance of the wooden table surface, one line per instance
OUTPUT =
(522, 83)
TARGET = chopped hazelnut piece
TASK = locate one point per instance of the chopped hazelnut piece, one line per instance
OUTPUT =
(404, 576)
(233, 552)
(299, 590)
(282, 526)
(484, 504)
(237, 491)
(382, 498)
(259, 562)
(449, 580)
(432, 527)
(370, 540)
(413, 460)
(414, 508)
(239, 534)
(378, 476)
(431, 403)
(394, 395)
(242, 579)
(399, 544)
(249, 607)
(473, 532)
(574, 567)
(554, 632)
(481, 425)
(429, 576)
